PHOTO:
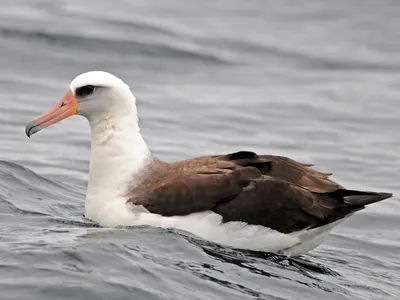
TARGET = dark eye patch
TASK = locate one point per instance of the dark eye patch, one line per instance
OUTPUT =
(84, 90)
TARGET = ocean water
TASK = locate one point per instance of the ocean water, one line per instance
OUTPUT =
(318, 81)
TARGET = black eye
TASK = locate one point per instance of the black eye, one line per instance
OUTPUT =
(84, 90)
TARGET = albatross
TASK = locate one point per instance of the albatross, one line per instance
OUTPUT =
(243, 200)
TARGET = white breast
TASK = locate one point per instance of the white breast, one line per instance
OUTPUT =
(119, 157)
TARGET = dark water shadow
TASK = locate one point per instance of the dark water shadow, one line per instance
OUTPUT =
(245, 258)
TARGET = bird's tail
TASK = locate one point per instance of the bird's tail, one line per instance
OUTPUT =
(359, 199)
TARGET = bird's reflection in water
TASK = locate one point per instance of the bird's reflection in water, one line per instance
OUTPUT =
(249, 259)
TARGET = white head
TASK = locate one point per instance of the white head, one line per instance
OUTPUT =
(119, 154)
(95, 95)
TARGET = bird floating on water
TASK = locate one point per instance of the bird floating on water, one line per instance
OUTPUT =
(243, 200)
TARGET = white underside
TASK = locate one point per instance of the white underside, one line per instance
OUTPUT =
(209, 226)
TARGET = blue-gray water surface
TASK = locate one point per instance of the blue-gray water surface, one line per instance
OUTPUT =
(318, 81)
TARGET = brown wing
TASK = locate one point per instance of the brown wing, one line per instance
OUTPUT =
(291, 196)
(200, 191)
(272, 191)
(286, 169)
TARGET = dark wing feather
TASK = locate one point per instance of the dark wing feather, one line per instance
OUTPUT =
(287, 169)
(291, 196)
(272, 191)
(182, 195)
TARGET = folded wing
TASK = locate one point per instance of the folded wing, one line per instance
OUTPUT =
(272, 191)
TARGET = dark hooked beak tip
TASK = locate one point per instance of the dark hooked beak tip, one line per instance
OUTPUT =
(31, 128)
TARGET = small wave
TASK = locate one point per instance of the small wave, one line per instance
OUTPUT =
(25, 192)
(97, 44)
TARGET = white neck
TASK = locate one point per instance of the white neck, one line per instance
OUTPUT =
(118, 157)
